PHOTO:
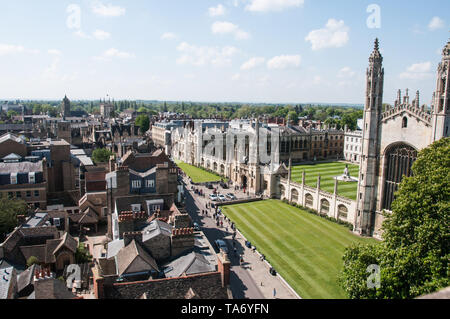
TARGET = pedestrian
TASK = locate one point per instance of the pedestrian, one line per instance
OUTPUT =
(274, 293)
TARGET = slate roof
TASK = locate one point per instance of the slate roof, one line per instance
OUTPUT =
(127, 255)
(156, 228)
(6, 276)
(25, 279)
(51, 289)
(189, 264)
(114, 247)
(20, 167)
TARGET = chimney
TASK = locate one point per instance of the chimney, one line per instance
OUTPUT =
(223, 265)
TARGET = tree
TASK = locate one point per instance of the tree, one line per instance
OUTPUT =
(82, 255)
(9, 209)
(143, 121)
(292, 116)
(413, 257)
(101, 155)
(31, 261)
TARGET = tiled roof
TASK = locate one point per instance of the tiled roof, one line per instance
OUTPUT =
(127, 255)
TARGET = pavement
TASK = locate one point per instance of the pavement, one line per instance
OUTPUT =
(251, 278)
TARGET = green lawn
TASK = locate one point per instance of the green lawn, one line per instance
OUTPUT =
(327, 173)
(198, 175)
(304, 248)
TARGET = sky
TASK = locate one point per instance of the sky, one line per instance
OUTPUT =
(272, 51)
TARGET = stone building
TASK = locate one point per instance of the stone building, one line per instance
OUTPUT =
(392, 139)
(25, 180)
(254, 154)
(43, 242)
(352, 146)
(65, 107)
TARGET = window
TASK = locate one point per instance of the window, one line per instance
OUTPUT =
(150, 183)
(31, 178)
(13, 178)
(10, 195)
(28, 193)
(18, 194)
(136, 184)
(36, 193)
(404, 122)
(136, 207)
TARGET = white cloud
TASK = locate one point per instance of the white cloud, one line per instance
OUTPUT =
(114, 53)
(417, 71)
(224, 27)
(107, 10)
(10, 49)
(216, 11)
(346, 72)
(54, 52)
(168, 36)
(81, 34)
(334, 35)
(284, 61)
(236, 77)
(272, 5)
(101, 35)
(252, 63)
(204, 55)
(436, 23)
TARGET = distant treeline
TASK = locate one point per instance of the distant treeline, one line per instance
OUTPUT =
(338, 115)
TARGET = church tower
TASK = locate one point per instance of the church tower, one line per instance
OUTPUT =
(369, 163)
(441, 101)
(65, 107)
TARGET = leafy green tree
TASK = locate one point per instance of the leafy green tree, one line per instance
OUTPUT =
(31, 261)
(82, 255)
(143, 121)
(9, 209)
(101, 155)
(414, 255)
(292, 116)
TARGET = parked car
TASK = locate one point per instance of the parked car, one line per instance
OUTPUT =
(223, 185)
(220, 244)
(196, 226)
(231, 196)
(209, 186)
(222, 197)
(213, 197)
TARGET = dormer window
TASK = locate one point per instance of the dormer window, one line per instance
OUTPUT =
(150, 183)
(31, 178)
(136, 184)
(13, 178)
(136, 207)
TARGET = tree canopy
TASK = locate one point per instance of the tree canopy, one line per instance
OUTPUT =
(414, 254)
(9, 209)
(101, 155)
(143, 121)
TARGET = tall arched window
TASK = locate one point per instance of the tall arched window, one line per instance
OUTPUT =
(309, 200)
(404, 122)
(324, 206)
(399, 159)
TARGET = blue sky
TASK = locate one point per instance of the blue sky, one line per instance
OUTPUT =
(206, 50)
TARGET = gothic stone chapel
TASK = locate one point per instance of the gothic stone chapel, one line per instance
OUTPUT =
(393, 137)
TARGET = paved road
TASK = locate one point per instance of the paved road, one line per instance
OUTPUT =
(250, 279)
(241, 283)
